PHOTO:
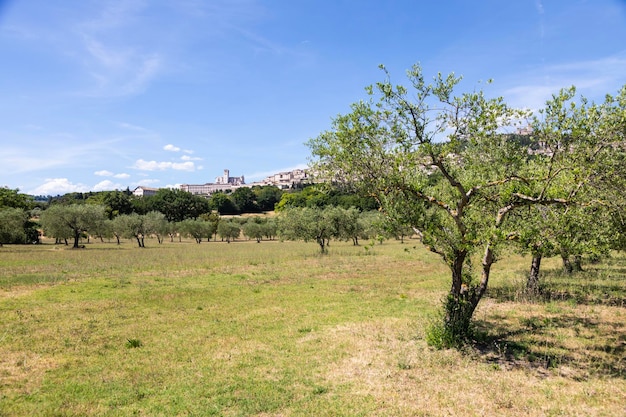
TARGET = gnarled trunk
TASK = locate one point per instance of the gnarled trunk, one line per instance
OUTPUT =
(464, 297)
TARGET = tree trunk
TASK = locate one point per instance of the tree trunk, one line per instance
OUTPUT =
(457, 272)
(464, 298)
(568, 268)
(76, 239)
(578, 263)
(322, 243)
(532, 285)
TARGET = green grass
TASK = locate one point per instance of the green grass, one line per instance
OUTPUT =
(274, 329)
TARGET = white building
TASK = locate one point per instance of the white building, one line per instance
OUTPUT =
(222, 183)
(142, 191)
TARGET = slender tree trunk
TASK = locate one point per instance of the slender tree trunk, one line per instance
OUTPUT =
(532, 285)
(578, 263)
(567, 264)
(76, 239)
(457, 272)
(322, 243)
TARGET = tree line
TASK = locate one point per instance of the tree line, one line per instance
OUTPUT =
(176, 214)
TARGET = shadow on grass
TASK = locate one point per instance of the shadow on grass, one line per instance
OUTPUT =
(596, 285)
(536, 343)
(575, 342)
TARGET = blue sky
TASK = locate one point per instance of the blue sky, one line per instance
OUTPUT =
(108, 94)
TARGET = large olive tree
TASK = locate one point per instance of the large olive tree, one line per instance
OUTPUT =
(63, 221)
(446, 163)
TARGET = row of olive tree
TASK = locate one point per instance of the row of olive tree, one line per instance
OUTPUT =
(79, 221)
(320, 225)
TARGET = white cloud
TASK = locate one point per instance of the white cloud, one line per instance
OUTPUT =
(107, 185)
(171, 148)
(56, 186)
(150, 181)
(142, 165)
(103, 173)
(190, 158)
(106, 173)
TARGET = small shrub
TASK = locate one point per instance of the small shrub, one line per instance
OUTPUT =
(133, 343)
(452, 328)
(319, 390)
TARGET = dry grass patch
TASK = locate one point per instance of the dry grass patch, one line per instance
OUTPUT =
(21, 373)
(385, 360)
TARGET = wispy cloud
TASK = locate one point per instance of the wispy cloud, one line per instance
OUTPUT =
(142, 165)
(592, 78)
(119, 65)
(130, 126)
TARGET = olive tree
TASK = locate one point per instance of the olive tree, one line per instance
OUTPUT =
(131, 226)
(253, 230)
(64, 221)
(228, 230)
(12, 222)
(580, 148)
(445, 160)
(308, 224)
(197, 229)
(156, 224)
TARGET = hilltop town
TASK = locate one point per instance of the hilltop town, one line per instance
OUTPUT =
(225, 183)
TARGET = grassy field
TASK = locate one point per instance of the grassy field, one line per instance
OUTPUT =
(274, 329)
